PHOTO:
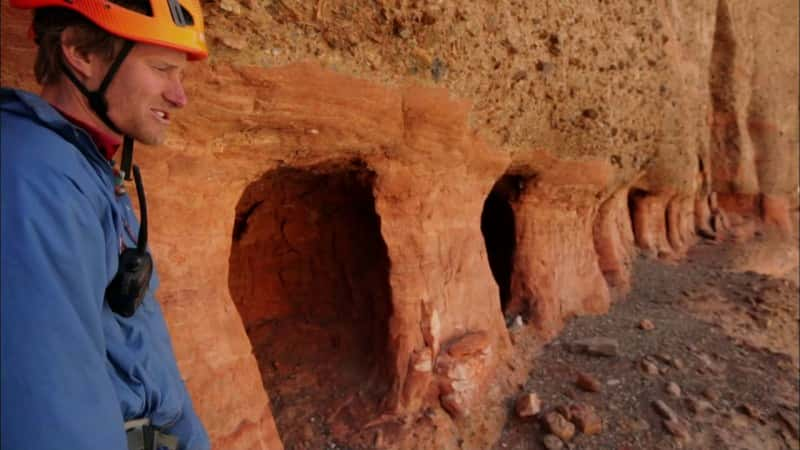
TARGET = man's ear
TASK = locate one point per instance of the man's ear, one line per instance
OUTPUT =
(83, 64)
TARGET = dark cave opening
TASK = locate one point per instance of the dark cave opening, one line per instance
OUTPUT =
(309, 274)
(498, 226)
(635, 195)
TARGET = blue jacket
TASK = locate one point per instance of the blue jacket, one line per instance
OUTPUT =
(73, 371)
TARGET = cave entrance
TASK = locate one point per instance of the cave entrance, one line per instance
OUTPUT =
(499, 232)
(635, 197)
(309, 274)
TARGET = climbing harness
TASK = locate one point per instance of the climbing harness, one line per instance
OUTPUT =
(143, 436)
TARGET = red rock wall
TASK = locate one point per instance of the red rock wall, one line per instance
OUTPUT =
(614, 241)
(616, 126)
(754, 133)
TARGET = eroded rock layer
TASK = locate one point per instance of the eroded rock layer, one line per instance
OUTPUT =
(360, 196)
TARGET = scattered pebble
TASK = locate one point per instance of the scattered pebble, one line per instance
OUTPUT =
(739, 420)
(699, 406)
(664, 410)
(639, 425)
(588, 383)
(528, 405)
(710, 409)
(673, 389)
(711, 394)
(790, 422)
(552, 442)
(649, 367)
(750, 411)
(678, 429)
(585, 418)
(559, 425)
(664, 358)
(705, 359)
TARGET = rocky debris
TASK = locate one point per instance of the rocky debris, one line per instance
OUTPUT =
(528, 405)
(596, 346)
(750, 411)
(789, 404)
(664, 358)
(790, 422)
(672, 422)
(678, 429)
(461, 371)
(559, 425)
(565, 411)
(699, 406)
(647, 325)
(708, 365)
(552, 442)
(696, 409)
(677, 363)
(585, 418)
(791, 442)
(711, 394)
(665, 411)
(588, 383)
(736, 419)
(517, 324)
(649, 367)
(635, 425)
(673, 389)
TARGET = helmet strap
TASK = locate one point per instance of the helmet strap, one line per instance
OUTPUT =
(99, 104)
(97, 99)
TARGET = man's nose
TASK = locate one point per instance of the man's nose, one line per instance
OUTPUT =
(176, 95)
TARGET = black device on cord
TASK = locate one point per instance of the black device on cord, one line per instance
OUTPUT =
(126, 291)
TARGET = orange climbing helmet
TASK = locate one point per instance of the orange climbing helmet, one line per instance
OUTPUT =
(176, 24)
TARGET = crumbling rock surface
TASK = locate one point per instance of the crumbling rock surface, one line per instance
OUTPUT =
(359, 195)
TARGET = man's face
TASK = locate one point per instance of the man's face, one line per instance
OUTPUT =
(146, 91)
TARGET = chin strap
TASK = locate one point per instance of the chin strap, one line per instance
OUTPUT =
(98, 103)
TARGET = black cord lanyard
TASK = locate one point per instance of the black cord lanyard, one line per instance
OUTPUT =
(127, 289)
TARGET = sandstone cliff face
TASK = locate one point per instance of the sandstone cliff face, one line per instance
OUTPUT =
(358, 196)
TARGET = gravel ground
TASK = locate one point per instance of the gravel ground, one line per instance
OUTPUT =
(727, 339)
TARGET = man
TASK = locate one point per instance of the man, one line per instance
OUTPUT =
(74, 367)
